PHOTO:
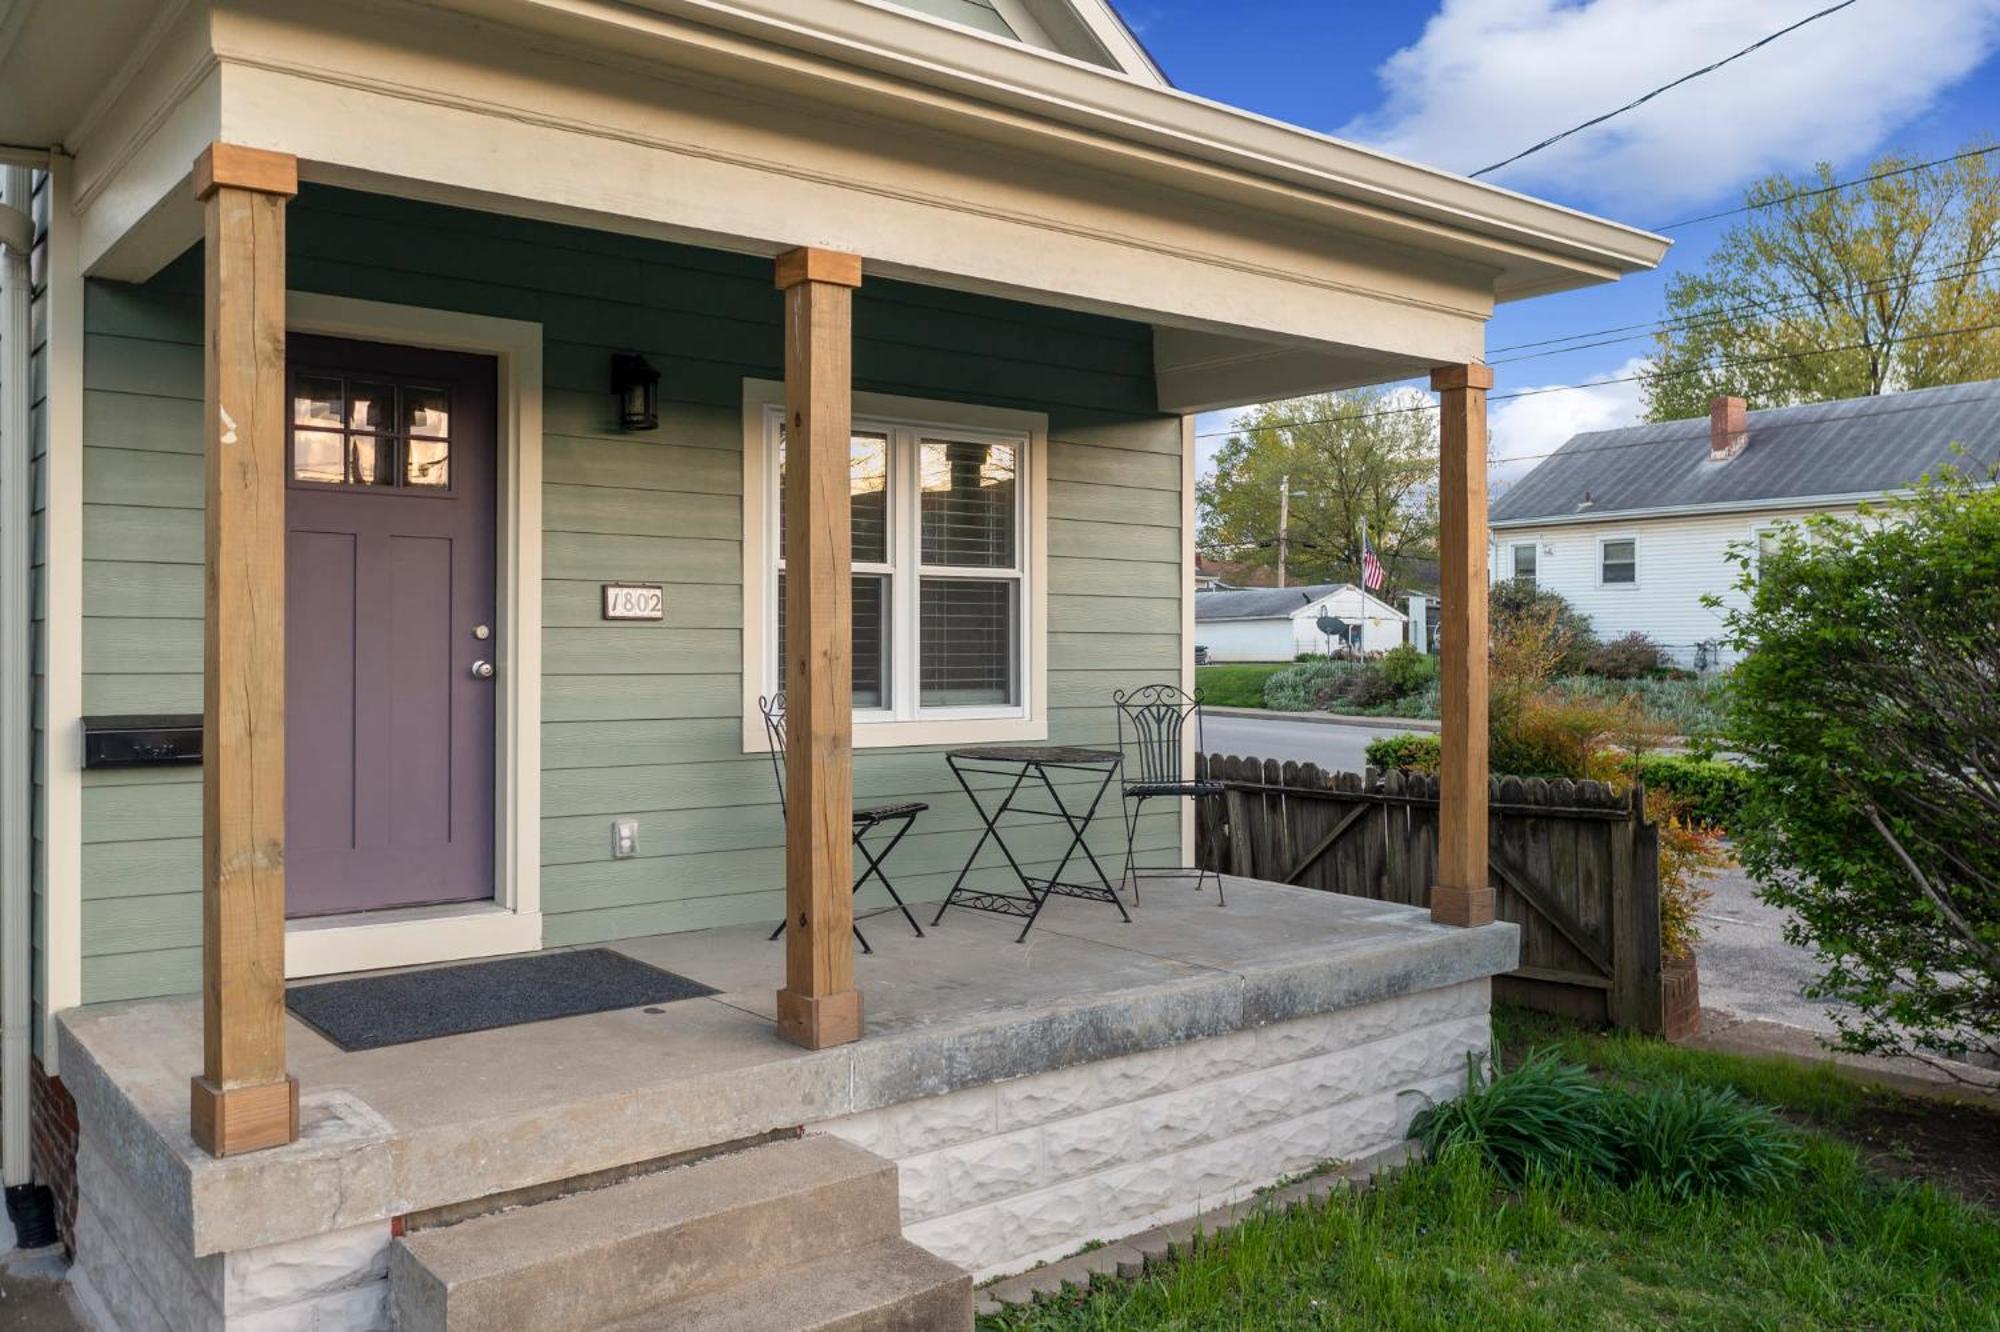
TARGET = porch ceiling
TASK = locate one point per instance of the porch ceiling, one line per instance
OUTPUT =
(395, 1130)
(1274, 260)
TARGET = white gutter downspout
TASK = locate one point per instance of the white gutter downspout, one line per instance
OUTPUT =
(17, 236)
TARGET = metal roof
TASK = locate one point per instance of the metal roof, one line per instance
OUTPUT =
(1270, 603)
(1853, 448)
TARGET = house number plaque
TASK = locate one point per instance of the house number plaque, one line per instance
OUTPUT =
(634, 601)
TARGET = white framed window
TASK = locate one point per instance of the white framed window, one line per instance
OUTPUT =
(1618, 561)
(1524, 562)
(948, 515)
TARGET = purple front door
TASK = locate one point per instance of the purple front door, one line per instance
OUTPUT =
(390, 633)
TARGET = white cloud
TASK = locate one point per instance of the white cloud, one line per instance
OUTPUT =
(1523, 431)
(1489, 77)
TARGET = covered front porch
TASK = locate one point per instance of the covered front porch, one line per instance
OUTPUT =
(1099, 1079)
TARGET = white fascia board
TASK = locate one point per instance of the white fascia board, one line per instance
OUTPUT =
(1775, 502)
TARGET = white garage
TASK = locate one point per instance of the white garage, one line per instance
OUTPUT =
(1278, 623)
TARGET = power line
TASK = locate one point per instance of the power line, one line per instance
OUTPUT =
(1697, 319)
(1772, 359)
(1818, 190)
(1898, 282)
(1665, 87)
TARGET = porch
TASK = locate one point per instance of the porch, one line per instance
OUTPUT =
(1099, 1079)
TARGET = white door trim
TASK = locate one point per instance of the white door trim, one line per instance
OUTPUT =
(512, 922)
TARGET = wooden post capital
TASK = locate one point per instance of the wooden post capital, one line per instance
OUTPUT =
(232, 166)
(809, 264)
(1472, 375)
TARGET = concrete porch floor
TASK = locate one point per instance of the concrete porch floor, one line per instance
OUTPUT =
(407, 1128)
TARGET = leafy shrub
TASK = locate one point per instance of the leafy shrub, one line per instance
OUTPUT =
(1508, 602)
(1542, 1116)
(1866, 706)
(1407, 670)
(1552, 736)
(1690, 1140)
(1420, 753)
(1692, 706)
(1627, 658)
(1690, 854)
(1711, 791)
(1296, 687)
(1359, 690)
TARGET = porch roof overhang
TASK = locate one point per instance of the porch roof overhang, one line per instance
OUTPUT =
(1271, 260)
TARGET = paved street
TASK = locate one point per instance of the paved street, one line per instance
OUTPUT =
(1334, 747)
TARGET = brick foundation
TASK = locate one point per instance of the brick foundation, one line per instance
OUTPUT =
(52, 1117)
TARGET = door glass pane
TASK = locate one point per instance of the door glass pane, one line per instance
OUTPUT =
(318, 402)
(871, 639)
(968, 503)
(426, 462)
(968, 631)
(319, 455)
(373, 460)
(371, 406)
(868, 490)
(427, 411)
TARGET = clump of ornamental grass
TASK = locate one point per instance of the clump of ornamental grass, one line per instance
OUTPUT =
(1544, 1116)
(1690, 1140)
(1548, 1118)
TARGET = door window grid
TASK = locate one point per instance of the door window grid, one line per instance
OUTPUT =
(358, 431)
(949, 518)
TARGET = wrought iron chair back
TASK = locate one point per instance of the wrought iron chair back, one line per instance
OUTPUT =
(773, 709)
(1153, 727)
(1153, 722)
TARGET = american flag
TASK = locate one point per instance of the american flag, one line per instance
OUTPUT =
(1372, 576)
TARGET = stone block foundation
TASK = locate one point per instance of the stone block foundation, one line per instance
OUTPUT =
(130, 1275)
(1000, 1177)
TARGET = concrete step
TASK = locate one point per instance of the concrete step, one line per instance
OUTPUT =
(893, 1286)
(592, 1259)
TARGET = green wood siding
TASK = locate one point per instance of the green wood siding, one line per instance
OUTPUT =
(638, 720)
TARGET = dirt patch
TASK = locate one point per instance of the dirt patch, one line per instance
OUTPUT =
(1955, 1147)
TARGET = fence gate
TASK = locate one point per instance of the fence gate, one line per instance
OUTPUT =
(1576, 866)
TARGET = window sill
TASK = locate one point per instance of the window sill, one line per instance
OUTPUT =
(909, 734)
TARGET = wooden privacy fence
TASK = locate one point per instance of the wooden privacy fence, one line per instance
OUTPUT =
(1576, 865)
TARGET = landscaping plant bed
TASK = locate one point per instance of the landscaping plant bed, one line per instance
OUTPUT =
(1844, 1241)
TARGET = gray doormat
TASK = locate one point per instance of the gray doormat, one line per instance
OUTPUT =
(373, 1011)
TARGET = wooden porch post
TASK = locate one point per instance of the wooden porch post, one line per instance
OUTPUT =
(1463, 894)
(244, 1100)
(819, 1005)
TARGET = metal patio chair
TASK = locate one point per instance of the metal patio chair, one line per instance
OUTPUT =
(1153, 723)
(894, 820)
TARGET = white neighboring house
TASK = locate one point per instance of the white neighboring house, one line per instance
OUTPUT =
(1634, 526)
(1278, 623)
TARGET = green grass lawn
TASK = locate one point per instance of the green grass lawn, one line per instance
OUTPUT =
(1238, 685)
(1446, 1246)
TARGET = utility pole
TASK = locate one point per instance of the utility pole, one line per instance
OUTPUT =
(1284, 524)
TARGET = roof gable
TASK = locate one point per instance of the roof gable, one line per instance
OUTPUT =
(1086, 30)
(1854, 447)
(1275, 603)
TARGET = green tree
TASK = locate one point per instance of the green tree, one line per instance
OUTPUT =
(1839, 294)
(1868, 708)
(1352, 459)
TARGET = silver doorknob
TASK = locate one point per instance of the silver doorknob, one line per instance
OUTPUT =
(482, 670)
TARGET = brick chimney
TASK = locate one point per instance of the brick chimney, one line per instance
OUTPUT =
(1728, 428)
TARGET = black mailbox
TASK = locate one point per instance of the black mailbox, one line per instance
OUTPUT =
(141, 742)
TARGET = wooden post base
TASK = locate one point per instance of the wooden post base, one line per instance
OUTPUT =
(1462, 906)
(818, 1022)
(243, 1119)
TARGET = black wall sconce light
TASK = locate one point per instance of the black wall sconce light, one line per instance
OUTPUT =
(637, 385)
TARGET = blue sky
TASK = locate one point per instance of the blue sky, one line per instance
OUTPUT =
(1468, 82)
